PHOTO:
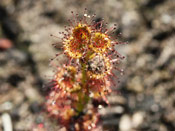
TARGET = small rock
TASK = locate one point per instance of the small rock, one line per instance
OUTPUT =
(116, 99)
(5, 44)
(137, 119)
(32, 94)
(7, 123)
(111, 110)
(155, 108)
(6, 106)
(135, 84)
(125, 123)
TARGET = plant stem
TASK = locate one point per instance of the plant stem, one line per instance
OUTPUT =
(83, 93)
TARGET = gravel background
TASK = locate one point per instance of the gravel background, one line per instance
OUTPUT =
(145, 97)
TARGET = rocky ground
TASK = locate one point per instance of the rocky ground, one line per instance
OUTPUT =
(145, 96)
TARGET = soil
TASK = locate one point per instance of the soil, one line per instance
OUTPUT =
(144, 98)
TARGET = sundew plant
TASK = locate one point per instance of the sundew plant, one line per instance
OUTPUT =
(81, 85)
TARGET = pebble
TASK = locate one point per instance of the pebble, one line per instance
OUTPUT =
(5, 44)
(135, 84)
(125, 123)
(137, 119)
(7, 123)
(111, 110)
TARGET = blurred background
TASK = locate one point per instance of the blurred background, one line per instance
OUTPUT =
(145, 97)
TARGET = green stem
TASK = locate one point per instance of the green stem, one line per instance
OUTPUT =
(83, 96)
